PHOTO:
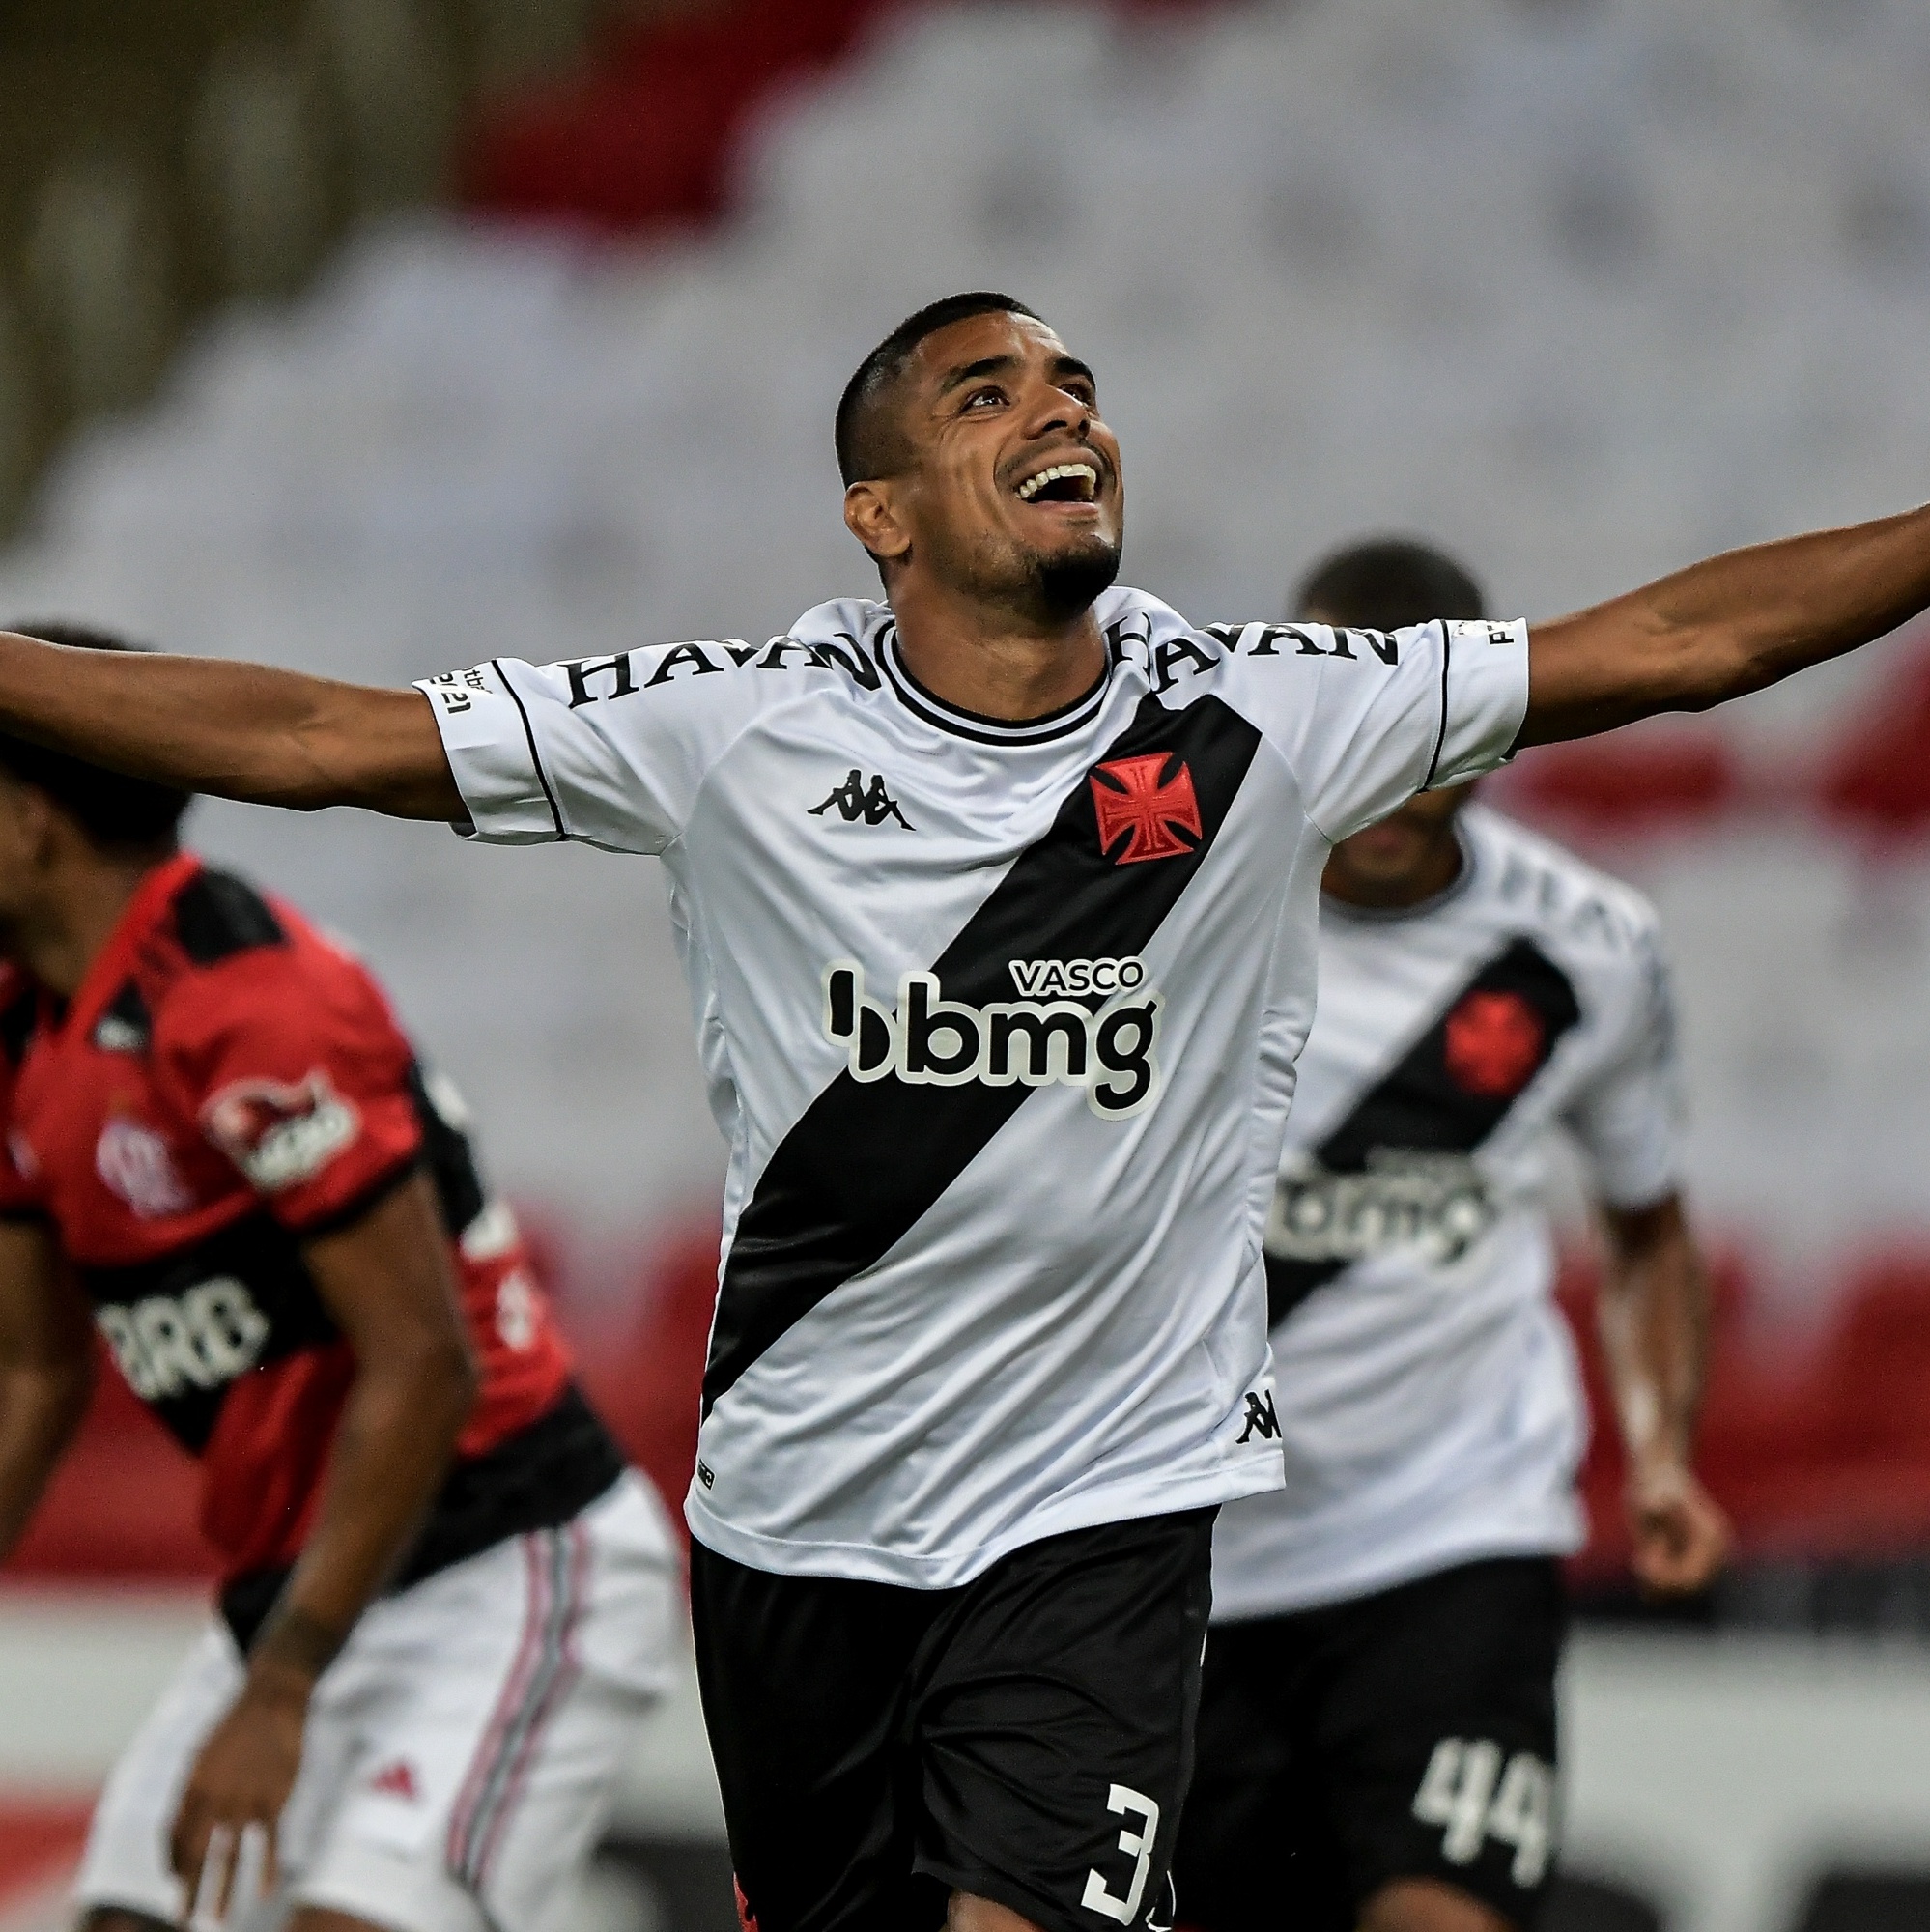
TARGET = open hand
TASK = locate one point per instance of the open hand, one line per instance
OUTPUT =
(243, 1777)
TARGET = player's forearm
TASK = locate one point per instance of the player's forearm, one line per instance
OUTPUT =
(1732, 625)
(1652, 1317)
(40, 1407)
(392, 1449)
(236, 730)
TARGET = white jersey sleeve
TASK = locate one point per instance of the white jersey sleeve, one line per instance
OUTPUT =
(608, 751)
(1368, 717)
(1628, 1119)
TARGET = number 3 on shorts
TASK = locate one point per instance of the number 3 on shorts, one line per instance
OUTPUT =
(1124, 1801)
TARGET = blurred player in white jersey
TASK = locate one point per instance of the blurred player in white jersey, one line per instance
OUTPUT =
(1376, 1744)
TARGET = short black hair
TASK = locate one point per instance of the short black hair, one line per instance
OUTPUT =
(115, 813)
(864, 448)
(1388, 583)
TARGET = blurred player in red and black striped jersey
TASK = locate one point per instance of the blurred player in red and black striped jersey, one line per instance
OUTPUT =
(444, 1602)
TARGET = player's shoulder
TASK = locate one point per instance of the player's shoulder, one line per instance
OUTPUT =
(1257, 657)
(718, 683)
(834, 645)
(229, 955)
(1565, 900)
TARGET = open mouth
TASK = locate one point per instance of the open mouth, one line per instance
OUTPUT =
(1062, 483)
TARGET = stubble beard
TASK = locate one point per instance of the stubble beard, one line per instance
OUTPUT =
(1044, 588)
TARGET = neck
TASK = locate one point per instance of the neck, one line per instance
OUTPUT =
(1430, 876)
(59, 941)
(994, 661)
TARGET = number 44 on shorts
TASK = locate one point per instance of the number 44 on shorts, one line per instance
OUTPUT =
(1467, 1790)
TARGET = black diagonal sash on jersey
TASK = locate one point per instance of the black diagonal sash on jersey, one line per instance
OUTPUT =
(1418, 1106)
(867, 1159)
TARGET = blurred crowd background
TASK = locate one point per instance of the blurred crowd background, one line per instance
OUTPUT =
(381, 336)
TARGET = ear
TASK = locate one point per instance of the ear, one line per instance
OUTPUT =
(872, 516)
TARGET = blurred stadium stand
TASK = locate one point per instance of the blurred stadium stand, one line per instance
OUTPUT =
(164, 156)
(382, 335)
(1583, 290)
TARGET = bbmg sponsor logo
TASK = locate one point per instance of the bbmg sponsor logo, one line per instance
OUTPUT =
(1434, 1205)
(1090, 1023)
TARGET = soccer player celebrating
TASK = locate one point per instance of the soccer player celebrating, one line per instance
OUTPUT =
(1377, 1740)
(444, 1604)
(1004, 1044)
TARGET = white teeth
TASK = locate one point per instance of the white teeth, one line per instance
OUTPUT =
(1032, 485)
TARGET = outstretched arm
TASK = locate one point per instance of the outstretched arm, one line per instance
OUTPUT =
(1726, 627)
(270, 737)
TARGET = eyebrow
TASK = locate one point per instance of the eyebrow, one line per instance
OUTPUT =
(988, 365)
(993, 365)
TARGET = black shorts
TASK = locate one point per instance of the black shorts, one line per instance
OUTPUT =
(1026, 1737)
(1410, 1734)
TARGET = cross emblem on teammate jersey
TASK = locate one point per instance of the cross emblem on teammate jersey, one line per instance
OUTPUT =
(1135, 797)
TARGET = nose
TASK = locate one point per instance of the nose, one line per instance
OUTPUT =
(1055, 411)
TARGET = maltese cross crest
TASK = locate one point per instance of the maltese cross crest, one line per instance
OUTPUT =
(1147, 802)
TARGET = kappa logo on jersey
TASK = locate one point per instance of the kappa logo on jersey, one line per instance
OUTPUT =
(279, 1134)
(1467, 1790)
(931, 1042)
(167, 1345)
(137, 1165)
(1263, 1419)
(1493, 1044)
(1147, 802)
(1438, 1204)
(854, 802)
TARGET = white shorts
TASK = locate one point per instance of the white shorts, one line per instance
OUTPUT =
(461, 1753)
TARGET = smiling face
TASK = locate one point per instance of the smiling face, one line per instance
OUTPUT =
(1002, 482)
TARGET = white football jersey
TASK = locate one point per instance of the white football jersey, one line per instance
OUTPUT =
(1000, 1022)
(1428, 1394)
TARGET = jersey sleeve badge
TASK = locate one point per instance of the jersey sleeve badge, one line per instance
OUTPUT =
(280, 1135)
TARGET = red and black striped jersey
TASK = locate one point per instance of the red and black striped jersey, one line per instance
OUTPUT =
(226, 1085)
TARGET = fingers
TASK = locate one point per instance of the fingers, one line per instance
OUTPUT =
(223, 1848)
(211, 1854)
(224, 1834)
(1682, 1541)
(187, 1843)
